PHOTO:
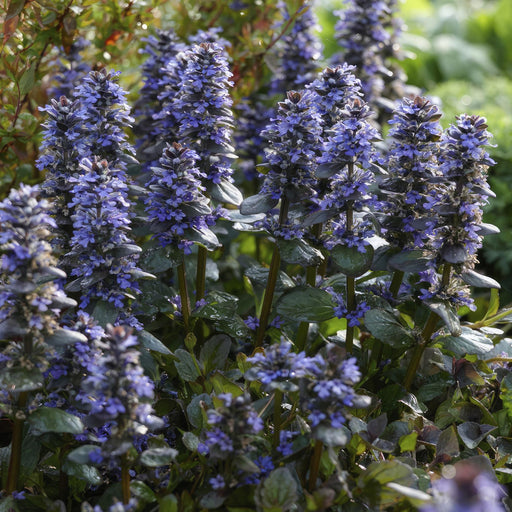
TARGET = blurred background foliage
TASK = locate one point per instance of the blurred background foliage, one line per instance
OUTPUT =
(458, 51)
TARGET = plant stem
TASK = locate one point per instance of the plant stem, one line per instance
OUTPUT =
(271, 281)
(202, 254)
(13, 472)
(351, 281)
(426, 335)
(125, 479)
(185, 302)
(314, 466)
(278, 400)
(394, 287)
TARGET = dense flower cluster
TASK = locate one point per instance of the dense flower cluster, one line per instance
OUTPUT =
(348, 155)
(233, 424)
(117, 391)
(202, 109)
(412, 169)
(30, 301)
(153, 127)
(299, 49)
(341, 311)
(105, 116)
(105, 258)
(367, 32)
(331, 392)
(175, 204)
(281, 368)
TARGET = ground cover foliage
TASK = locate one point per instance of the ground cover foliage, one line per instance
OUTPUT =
(242, 274)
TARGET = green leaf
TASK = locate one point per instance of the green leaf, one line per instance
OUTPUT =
(49, 419)
(278, 491)
(195, 409)
(385, 327)
(448, 315)
(407, 443)
(506, 393)
(260, 203)
(299, 252)
(156, 457)
(62, 337)
(226, 192)
(306, 304)
(80, 455)
(27, 80)
(469, 342)
(448, 443)
(352, 262)
(409, 261)
(220, 306)
(234, 327)
(259, 275)
(30, 451)
(191, 441)
(473, 433)
(221, 384)
(142, 491)
(159, 259)
(169, 503)
(105, 313)
(186, 365)
(480, 281)
(330, 436)
(82, 471)
(415, 496)
(214, 352)
(150, 342)
(155, 297)
(374, 481)
(21, 379)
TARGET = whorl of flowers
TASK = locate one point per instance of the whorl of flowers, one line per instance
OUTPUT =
(348, 155)
(281, 368)
(202, 109)
(299, 50)
(341, 310)
(175, 204)
(152, 125)
(412, 167)
(117, 391)
(469, 490)
(71, 69)
(365, 31)
(335, 87)
(331, 392)
(61, 148)
(233, 424)
(106, 115)
(293, 143)
(30, 301)
(105, 258)
(464, 161)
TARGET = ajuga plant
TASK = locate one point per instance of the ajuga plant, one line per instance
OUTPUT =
(31, 305)
(178, 210)
(71, 69)
(293, 143)
(207, 128)
(299, 51)
(413, 178)
(367, 33)
(151, 127)
(116, 391)
(103, 256)
(61, 150)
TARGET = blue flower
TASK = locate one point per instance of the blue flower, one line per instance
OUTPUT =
(299, 50)
(104, 257)
(176, 206)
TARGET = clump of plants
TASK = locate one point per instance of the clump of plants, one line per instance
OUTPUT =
(217, 303)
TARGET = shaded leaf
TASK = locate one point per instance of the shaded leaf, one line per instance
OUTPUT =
(409, 261)
(385, 327)
(186, 365)
(297, 251)
(62, 337)
(214, 352)
(82, 471)
(473, 433)
(469, 342)
(448, 443)
(226, 192)
(332, 436)
(50, 419)
(352, 262)
(156, 457)
(278, 491)
(21, 379)
(448, 315)
(475, 279)
(194, 409)
(306, 304)
(261, 203)
(80, 455)
(219, 306)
